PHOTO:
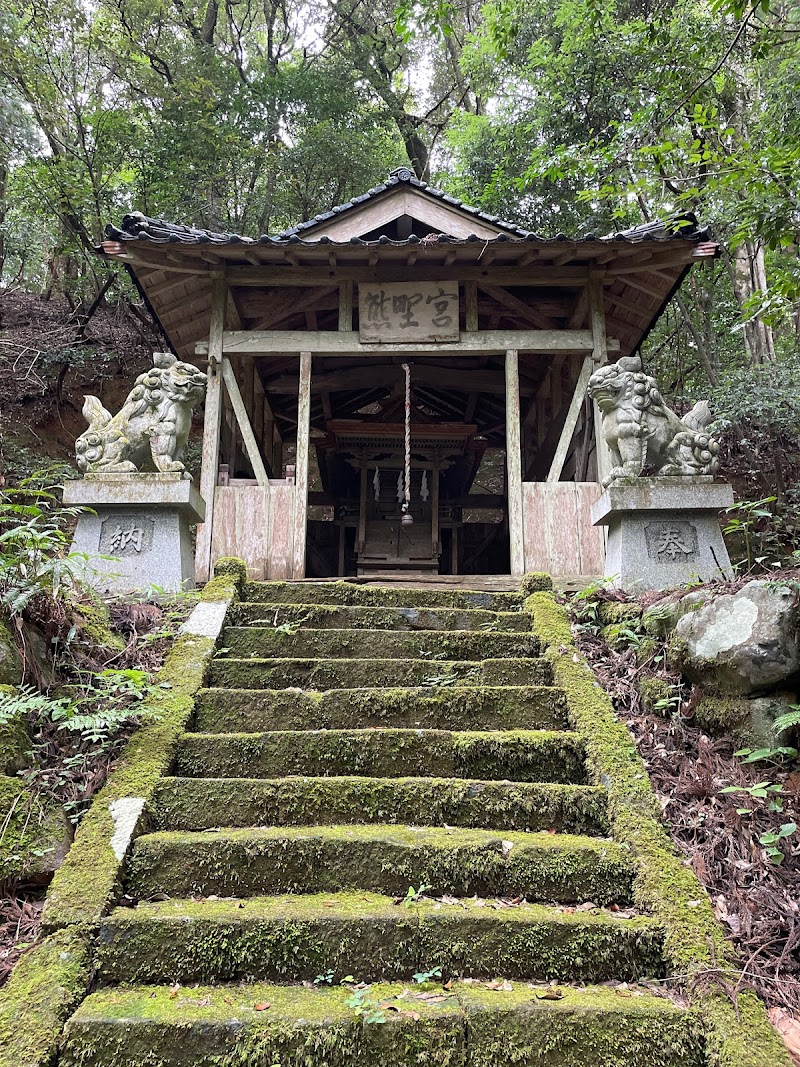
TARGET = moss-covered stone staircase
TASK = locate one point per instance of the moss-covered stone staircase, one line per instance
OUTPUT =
(379, 846)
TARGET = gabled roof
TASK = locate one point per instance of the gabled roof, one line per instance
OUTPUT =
(138, 227)
(403, 228)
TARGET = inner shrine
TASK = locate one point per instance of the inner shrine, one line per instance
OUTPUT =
(399, 385)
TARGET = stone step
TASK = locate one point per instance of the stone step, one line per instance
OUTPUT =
(352, 617)
(264, 642)
(397, 1025)
(372, 937)
(442, 708)
(546, 867)
(208, 803)
(322, 674)
(376, 596)
(516, 755)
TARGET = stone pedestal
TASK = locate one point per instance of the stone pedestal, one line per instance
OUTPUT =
(664, 532)
(142, 521)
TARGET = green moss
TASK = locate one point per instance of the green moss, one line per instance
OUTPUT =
(45, 986)
(694, 943)
(592, 1028)
(353, 617)
(11, 666)
(33, 835)
(521, 755)
(231, 567)
(595, 1027)
(721, 714)
(350, 593)
(199, 804)
(93, 621)
(369, 936)
(264, 642)
(15, 745)
(444, 707)
(535, 582)
(323, 674)
(88, 881)
(618, 611)
(657, 694)
(380, 858)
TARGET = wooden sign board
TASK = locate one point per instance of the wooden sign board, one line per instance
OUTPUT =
(408, 311)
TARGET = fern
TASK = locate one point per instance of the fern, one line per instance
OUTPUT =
(787, 721)
(26, 701)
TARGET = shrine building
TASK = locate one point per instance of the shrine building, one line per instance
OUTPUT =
(399, 384)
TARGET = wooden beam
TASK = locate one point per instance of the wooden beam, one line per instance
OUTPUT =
(516, 526)
(471, 307)
(301, 302)
(578, 314)
(599, 357)
(211, 427)
(346, 307)
(245, 429)
(457, 380)
(301, 466)
(386, 271)
(519, 307)
(330, 342)
(571, 422)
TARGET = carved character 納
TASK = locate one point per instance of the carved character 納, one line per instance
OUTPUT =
(153, 423)
(642, 432)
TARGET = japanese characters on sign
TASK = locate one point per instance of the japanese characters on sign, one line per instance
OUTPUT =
(408, 311)
(126, 534)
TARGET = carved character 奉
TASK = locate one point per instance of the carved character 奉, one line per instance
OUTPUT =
(642, 432)
(153, 423)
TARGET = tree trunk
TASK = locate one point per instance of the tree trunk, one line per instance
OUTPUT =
(748, 276)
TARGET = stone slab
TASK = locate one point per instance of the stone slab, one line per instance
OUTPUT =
(665, 549)
(139, 490)
(133, 548)
(661, 494)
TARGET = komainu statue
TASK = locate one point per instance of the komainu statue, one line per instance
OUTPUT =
(153, 424)
(641, 431)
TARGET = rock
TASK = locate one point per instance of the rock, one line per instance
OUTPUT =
(748, 719)
(10, 659)
(36, 836)
(740, 643)
(15, 745)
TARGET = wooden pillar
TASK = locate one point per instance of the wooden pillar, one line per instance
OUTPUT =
(340, 562)
(435, 508)
(454, 551)
(599, 357)
(514, 464)
(471, 306)
(362, 511)
(345, 307)
(301, 466)
(211, 427)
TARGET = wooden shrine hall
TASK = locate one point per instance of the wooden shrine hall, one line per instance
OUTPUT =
(399, 384)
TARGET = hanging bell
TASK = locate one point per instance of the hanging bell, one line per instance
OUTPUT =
(407, 519)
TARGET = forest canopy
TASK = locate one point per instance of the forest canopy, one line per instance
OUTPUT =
(572, 116)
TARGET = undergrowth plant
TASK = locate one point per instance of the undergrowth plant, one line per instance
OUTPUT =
(35, 536)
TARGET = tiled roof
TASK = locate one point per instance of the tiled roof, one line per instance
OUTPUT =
(138, 227)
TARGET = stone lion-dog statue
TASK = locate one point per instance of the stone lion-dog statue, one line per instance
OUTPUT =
(152, 426)
(641, 431)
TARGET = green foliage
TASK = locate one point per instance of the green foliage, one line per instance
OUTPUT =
(789, 720)
(34, 545)
(766, 755)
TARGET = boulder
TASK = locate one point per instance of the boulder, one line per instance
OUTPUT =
(10, 659)
(739, 643)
